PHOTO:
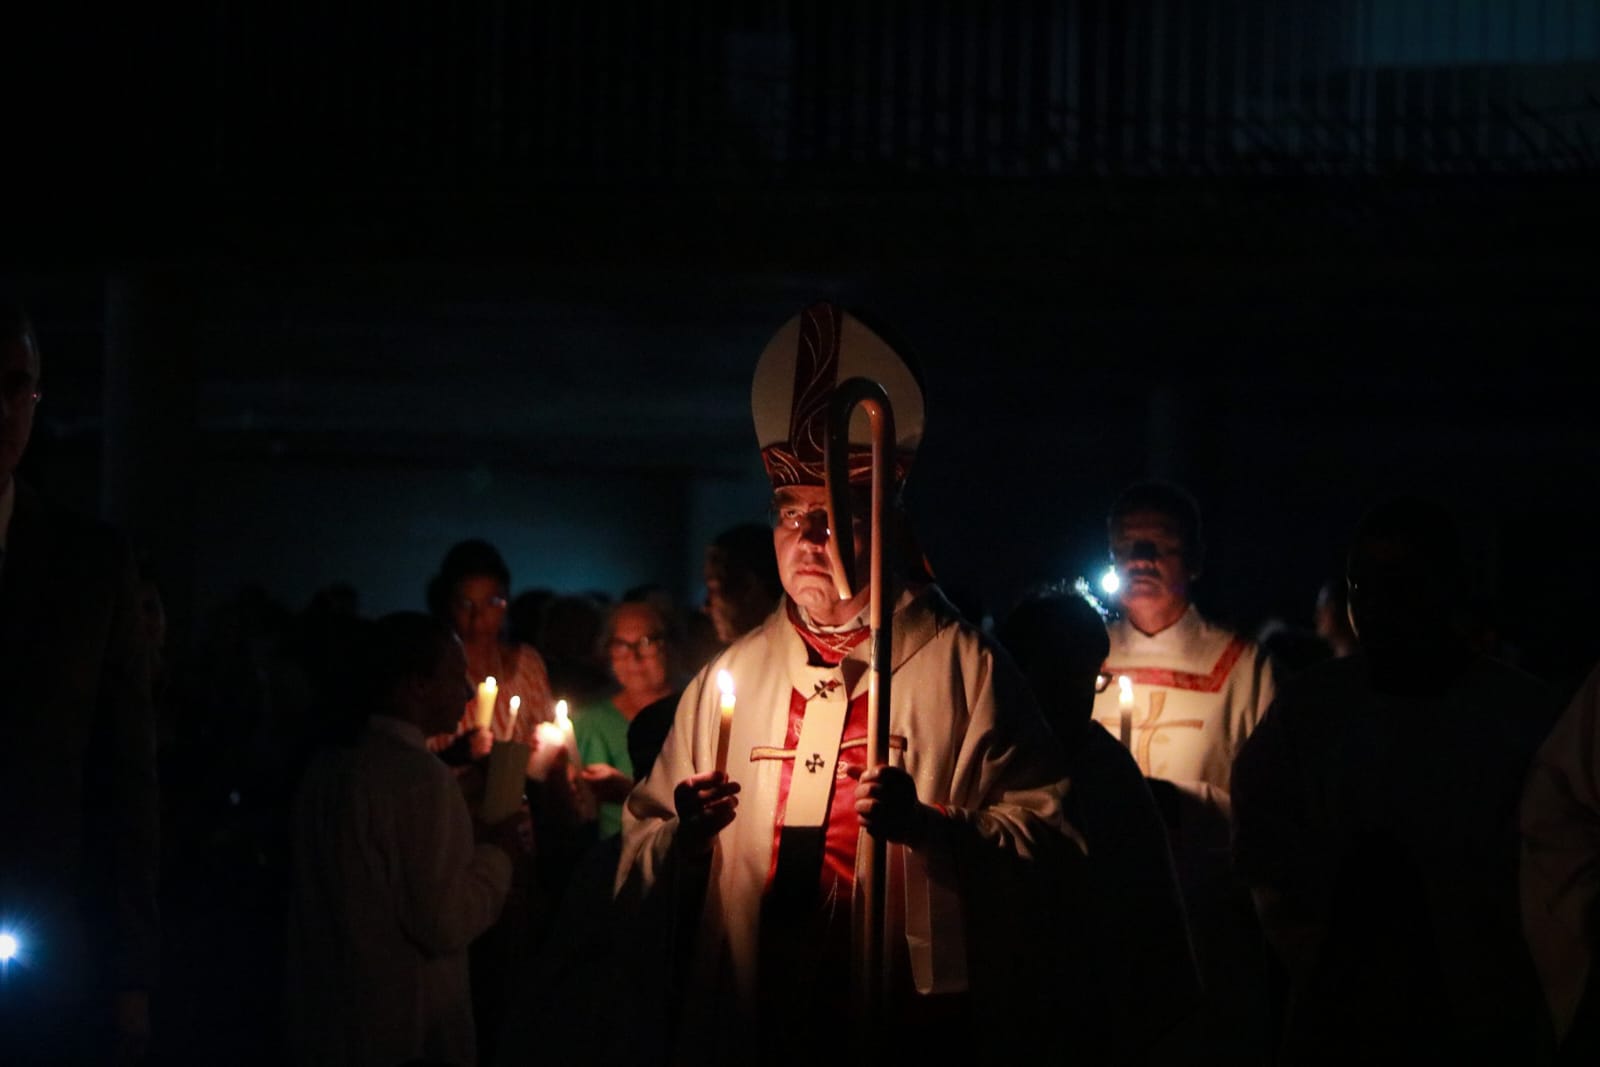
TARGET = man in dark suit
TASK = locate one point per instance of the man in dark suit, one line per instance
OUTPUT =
(78, 803)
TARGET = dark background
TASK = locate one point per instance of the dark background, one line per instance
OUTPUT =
(324, 288)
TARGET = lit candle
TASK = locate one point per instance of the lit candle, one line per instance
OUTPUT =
(516, 706)
(487, 691)
(725, 729)
(553, 737)
(1125, 709)
(569, 737)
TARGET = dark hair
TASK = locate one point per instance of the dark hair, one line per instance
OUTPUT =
(402, 646)
(747, 549)
(474, 558)
(1053, 623)
(648, 732)
(1163, 498)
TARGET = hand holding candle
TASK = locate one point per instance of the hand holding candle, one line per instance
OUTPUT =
(725, 728)
(553, 738)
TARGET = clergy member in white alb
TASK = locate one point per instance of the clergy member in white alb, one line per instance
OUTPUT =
(1184, 695)
(1194, 689)
(972, 790)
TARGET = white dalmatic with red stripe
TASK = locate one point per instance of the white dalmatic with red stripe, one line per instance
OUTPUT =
(1198, 691)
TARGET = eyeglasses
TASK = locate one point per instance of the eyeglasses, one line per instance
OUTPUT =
(799, 517)
(493, 603)
(1103, 681)
(645, 646)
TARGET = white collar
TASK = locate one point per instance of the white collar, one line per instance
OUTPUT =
(1180, 631)
(816, 627)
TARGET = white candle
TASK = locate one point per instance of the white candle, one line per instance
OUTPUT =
(549, 741)
(1125, 710)
(487, 691)
(569, 738)
(725, 728)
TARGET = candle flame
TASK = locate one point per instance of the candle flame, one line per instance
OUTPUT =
(516, 705)
(489, 683)
(1125, 690)
(725, 682)
(561, 712)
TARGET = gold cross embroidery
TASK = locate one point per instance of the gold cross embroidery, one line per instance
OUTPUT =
(1152, 726)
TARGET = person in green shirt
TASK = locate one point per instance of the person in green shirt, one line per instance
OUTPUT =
(638, 643)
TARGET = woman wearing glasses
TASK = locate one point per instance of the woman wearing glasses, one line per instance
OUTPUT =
(470, 593)
(638, 645)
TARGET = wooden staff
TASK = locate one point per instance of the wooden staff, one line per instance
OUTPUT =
(870, 930)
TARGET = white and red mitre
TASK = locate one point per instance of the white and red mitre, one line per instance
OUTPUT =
(794, 382)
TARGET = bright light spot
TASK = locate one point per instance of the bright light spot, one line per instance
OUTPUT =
(561, 713)
(8, 948)
(724, 682)
(516, 706)
(1080, 586)
(1110, 582)
(1125, 690)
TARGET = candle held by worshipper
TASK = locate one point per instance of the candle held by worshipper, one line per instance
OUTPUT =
(488, 691)
(725, 728)
(569, 739)
(1125, 710)
(553, 738)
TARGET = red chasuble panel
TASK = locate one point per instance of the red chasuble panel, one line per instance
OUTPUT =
(837, 874)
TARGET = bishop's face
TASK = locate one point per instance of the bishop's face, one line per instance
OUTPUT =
(800, 537)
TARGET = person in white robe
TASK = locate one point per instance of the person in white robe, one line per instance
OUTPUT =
(388, 886)
(971, 794)
(1184, 695)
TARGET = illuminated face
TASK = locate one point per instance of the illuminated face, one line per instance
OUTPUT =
(19, 395)
(1147, 550)
(638, 649)
(800, 538)
(478, 608)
